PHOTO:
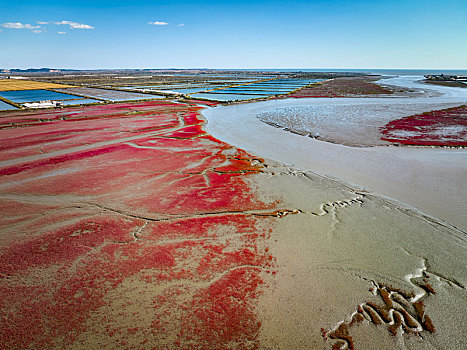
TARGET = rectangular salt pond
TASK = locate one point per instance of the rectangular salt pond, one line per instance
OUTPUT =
(226, 97)
(278, 86)
(5, 106)
(165, 87)
(190, 91)
(248, 92)
(285, 85)
(231, 76)
(79, 102)
(187, 90)
(21, 96)
(110, 95)
(257, 88)
(179, 87)
(267, 83)
(239, 81)
(295, 81)
(275, 91)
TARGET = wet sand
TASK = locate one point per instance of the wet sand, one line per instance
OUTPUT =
(170, 238)
(431, 180)
(356, 270)
(112, 241)
(356, 125)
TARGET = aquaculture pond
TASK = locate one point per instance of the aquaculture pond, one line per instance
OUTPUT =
(183, 89)
(276, 86)
(233, 76)
(239, 81)
(259, 88)
(292, 82)
(249, 92)
(273, 86)
(226, 97)
(21, 96)
(5, 106)
(110, 95)
(165, 87)
(190, 91)
(296, 81)
(79, 102)
(200, 89)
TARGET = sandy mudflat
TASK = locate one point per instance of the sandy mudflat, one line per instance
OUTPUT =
(340, 252)
(128, 226)
(356, 270)
(348, 124)
(431, 180)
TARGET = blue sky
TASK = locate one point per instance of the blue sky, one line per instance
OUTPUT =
(227, 34)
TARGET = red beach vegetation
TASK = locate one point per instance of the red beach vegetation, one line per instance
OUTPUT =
(127, 224)
(447, 127)
(342, 87)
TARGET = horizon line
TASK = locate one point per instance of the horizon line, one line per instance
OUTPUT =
(230, 68)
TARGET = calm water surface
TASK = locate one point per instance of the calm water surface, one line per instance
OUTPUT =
(5, 106)
(21, 96)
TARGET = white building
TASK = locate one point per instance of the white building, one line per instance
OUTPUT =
(42, 104)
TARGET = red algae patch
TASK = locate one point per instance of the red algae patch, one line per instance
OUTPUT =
(341, 87)
(446, 127)
(127, 225)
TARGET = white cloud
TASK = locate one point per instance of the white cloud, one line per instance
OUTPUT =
(19, 25)
(74, 25)
(157, 23)
(62, 33)
(40, 29)
(181, 24)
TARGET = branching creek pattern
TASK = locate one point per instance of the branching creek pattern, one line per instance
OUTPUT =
(141, 230)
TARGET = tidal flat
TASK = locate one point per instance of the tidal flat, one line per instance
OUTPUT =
(169, 224)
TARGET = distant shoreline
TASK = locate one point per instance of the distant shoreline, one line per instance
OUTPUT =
(376, 71)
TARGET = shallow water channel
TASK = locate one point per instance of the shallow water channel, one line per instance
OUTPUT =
(432, 180)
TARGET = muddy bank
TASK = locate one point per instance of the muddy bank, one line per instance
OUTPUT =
(170, 238)
(432, 180)
(357, 125)
(370, 273)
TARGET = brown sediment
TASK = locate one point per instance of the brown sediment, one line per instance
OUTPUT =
(398, 321)
(427, 288)
(446, 83)
(357, 318)
(397, 312)
(404, 293)
(342, 87)
(426, 321)
(374, 316)
(280, 213)
(342, 335)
